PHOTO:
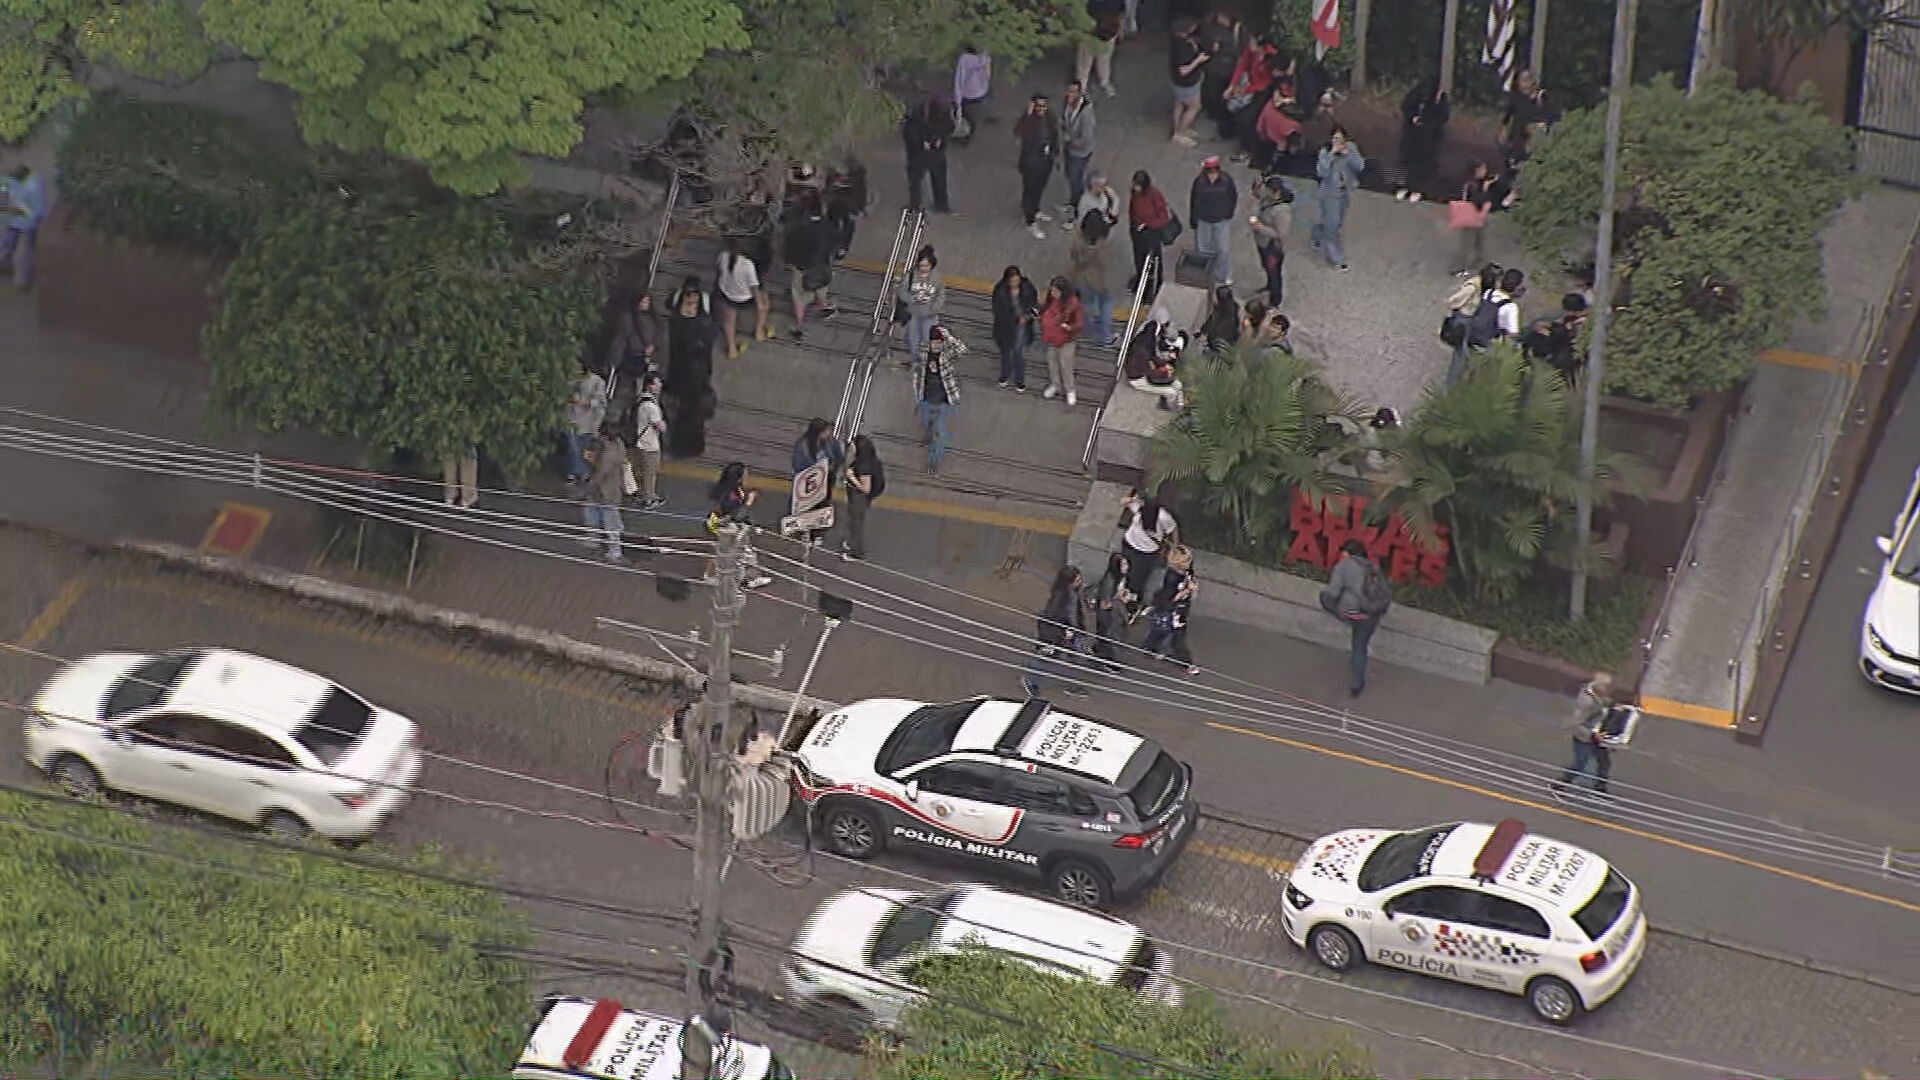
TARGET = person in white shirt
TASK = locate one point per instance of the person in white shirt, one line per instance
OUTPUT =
(972, 81)
(1149, 533)
(649, 425)
(739, 286)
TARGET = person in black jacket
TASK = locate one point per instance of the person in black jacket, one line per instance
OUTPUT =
(1016, 303)
(1423, 126)
(925, 132)
(689, 385)
(1210, 207)
(810, 246)
(1057, 632)
(1039, 135)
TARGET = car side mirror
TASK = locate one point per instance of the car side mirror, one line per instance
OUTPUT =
(1388, 913)
(1884, 543)
(913, 791)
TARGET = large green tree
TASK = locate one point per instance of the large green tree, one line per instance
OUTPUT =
(1723, 195)
(1496, 458)
(1258, 424)
(132, 947)
(405, 327)
(988, 1016)
(46, 47)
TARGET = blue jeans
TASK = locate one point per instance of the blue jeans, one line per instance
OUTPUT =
(1457, 366)
(919, 333)
(1099, 315)
(1326, 234)
(1591, 763)
(1077, 181)
(1214, 239)
(1013, 364)
(576, 444)
(1061, 667)
(933, 421)
(1357, 653)
(607, 519)
(16, 247)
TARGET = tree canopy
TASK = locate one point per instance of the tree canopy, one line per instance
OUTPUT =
(987, 1015)
(1724, 194)
(405, 327)
(128, 946)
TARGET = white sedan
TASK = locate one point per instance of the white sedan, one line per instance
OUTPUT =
(229, 734)
(1489, 905)
(857, 953)
(1890, 630)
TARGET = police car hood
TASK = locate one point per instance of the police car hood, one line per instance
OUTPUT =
(1330, 868)
(840, 931)
(843, 745)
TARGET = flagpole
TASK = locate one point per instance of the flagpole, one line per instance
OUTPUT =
(1537, 52)
(1449, 30)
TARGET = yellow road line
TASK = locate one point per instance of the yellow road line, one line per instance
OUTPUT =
(905, 504)
(964, 284)
(1815, 361)
(1681, 710)
(51, 616)
(1560, 811)
(264, 611)
(1229, 853)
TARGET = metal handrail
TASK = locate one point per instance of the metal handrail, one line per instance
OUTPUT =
(666, 225)
(881, 333)
(1148, 267)
(1687, 560)
(909, 226)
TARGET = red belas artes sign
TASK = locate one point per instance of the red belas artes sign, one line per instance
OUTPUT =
(1319, 530)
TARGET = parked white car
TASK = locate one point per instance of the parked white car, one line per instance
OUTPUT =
(581, 1038)
(229, 734)
(857, 953)
(1890, 630)
(1483, 904)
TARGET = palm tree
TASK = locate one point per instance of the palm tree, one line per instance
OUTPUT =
(1258, 423)
(1496, 458)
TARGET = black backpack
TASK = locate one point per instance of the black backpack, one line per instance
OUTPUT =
(1483, 328)
(1376, 596)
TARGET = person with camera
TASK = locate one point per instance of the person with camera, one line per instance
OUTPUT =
(1339, 169)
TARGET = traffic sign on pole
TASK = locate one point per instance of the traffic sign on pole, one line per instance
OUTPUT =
(810, 487)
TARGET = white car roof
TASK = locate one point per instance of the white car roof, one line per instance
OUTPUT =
(1551, 872)
(1059, 739)
(1054, 934)
(635, 1046)
(262, 693)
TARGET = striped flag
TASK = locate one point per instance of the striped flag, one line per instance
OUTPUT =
(1326, 27)
(1498, 50)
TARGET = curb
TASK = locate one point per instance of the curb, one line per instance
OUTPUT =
(390, 606)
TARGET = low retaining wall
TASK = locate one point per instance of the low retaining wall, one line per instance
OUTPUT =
(1253, 596)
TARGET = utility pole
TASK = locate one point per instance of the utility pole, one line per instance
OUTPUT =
(1537, 51)
(1623, 26)
(1705, 45)
(1449, 35)
(1362, 14)
(712, 762)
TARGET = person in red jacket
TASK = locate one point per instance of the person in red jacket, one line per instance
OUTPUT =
(1248, 85)
(1147, 218)
(1061, 320)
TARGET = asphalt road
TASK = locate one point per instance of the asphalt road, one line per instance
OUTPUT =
(1694, 1009)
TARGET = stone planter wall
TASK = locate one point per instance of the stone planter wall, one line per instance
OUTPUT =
(1662, 517)
(144, 297)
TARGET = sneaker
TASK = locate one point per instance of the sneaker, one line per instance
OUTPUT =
(797, 334)
(1107, 89)
(1067, 225)
(1002, 384)
(1036, 232)
(615, 558)
(654, 503)
(1050, 392)
(1413, 196)
(1400, 196)
(1185, 140)
(760, 581)
(1068, 209)
(1042, 215)
(1071, 400)
(1019, 388)
(829, 311)
(1342, 268)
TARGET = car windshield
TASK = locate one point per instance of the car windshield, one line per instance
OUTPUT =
(1600, 913)
(910, 925)
(927, 732)
(1906, 561)
(1156, 787)
(335, 727)
(147, 685)
(1402, 856)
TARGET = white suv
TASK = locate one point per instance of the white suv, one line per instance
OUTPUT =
(858, 951)
(229, 734)
(1890, 629)
(1483, 904)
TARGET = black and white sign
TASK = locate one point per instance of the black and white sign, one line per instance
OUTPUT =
(809, 487)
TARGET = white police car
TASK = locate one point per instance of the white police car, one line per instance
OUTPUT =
(857, 953)
(1095, 812)
(1489, 905)
(579, 1038)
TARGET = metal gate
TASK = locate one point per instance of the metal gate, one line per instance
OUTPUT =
(1890, 97)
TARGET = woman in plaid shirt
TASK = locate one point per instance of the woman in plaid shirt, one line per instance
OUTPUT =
(936, 390)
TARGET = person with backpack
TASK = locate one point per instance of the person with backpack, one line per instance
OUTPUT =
(866, 481)
(810, 246)
(1498, 315)
(1358, 595)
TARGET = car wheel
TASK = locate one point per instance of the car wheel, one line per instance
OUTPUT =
(1334, 946)
(1553, 1000)
(852, 831)
(1075, 882)
(282, 825)
(75, 776)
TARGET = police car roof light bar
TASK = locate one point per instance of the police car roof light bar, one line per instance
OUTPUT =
(1008, 744)
(1499, 847)
(592, 1030)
